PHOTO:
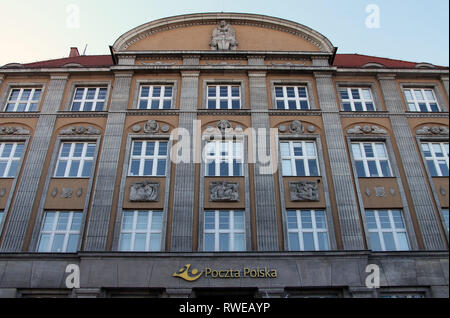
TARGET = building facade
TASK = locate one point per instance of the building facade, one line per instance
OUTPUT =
(224, 154)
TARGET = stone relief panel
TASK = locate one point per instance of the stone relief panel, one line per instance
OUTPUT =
(304, 191)
(80, 130)
(366, 130)
(144, 191)
(10, 130)
(151, 127)
(432, 131)
(224, 37)
(223, 191)
(296, 127)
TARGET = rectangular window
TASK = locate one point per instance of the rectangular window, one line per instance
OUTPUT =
(75, 160)
(357, 99)
(60, 232)
(224, 158)
(307, 230)
(155, 97)
(421, 100)
(444, 216)
(387, 230)
(89, 99)
(1, 216)
(23, 100)
(371, 159)
(291, 97)
(299, 158)
(148, 158)
(224, 97)
(436, 158)
(224, 231)
(141, 231)
(10, 154)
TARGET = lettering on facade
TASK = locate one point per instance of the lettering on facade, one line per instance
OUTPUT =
(223, 37)
(144, 191)
(223, 191)
(304, 191)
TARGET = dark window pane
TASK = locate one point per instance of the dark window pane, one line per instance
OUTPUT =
(347, 107)
(155, 104)
(143, 104)
(290, 92)
(370, 107)
(148, 167)
(236, 104)
(167, 104)
(423, 107)
(358, 107)
(313, 170)
(223, 169)
(372, 168)
(145, 91)
(432, 168)
(299, 165)
(280, 104)
(304, 104)
(302, 92)
(168, 91)
(278, 91)
(344, 94)
(161, 168)
(292, 104)
(99, 106)
(156, 91)
(434, 107)
(212, 91)
(360, 168)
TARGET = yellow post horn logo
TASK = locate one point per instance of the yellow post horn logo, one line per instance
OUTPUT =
(184, 273)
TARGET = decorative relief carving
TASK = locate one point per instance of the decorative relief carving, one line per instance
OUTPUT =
(287, 64)
(282, 128)
(79, 192)
(165, 128)
(144, 191)
(54, 192)
(434, 130)
(311, 129)
(392, 191)
(223, 37)
(442, 191)
(380, 192)
(66, 193)
(224, 126)
(224, 191)
(158, 64)
(224, 64)
(296, 127)
(366, 129)
(305, 191)
(368, 193)
(151, 127)
(10, 130)
(2, 192)
(80, 130)
(136, 128)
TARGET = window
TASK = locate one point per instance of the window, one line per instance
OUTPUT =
(307, 230)
(421, 100)
(155, 97)
(23, 100)
(148, 158)
(10, 154)
(224, 158)
(224, 97)
(436, 157)
(89, 99)
(291, 97)
(299, 158)
(224, 231)
(387, 230)
(371, 159)
(60, 232)
(357, 99)
(141, 231)
(1, 216)
(444, 215)
(75, 160)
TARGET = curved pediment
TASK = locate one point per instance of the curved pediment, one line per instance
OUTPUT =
(194, 32)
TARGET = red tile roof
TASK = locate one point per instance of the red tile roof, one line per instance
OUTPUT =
(358, 60)
(341, 60)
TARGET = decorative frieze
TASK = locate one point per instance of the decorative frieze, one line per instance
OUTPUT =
(144, 191)
(304, 191)
(10, 130)
(366, 130)
(66, 193)
(223, 191)
(80, 130)
(432, 131)
(2, 192)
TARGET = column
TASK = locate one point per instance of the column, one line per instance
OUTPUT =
(349, 219)
(33, 166)
(98, 223)
(415, 178)
(265, 203)
(183, 199)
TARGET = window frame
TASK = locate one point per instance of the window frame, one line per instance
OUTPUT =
(352, 100)
(379, 230)
(83, 100)
(29, 101)
(149, 82)
(148, 231)
(70, 159)
(436, 87)
(84, 84)
(366, 159)
(314, 230)
(242, 83)
(231, 230)
(417, 102)
(67, 232)
(310, 91)
(11, 158)
(218, 159)
(292, 157)
(229, 98)
(150, 98)
(297, 99)
(434, 158)
(142, 157)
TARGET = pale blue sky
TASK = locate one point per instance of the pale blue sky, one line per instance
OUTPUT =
(412, 30)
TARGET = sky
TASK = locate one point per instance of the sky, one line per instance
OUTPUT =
(411, 30)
